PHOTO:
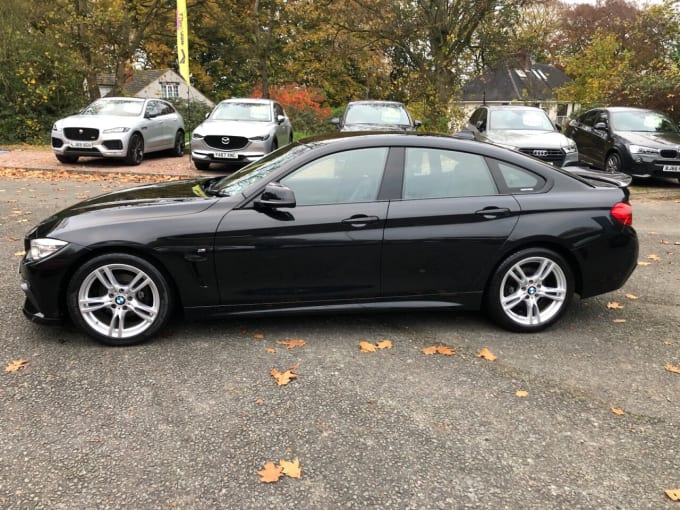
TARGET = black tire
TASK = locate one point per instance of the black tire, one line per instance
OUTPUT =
(102, 302)
(178, 147)
(202, 165)
(530, 290)
(275, 145)
(613, 163)
(69, 160)
(135, 152)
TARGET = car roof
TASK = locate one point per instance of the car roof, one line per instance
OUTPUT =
(511, 107)
(375, 101)
(255, 100)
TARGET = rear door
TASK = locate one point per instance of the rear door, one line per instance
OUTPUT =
(442, 236)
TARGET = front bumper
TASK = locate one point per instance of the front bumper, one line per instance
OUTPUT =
(251, 150)
(641, 166)
(105, 147)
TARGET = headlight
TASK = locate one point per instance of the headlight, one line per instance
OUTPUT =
(197, 136)
(55, 127)
(640, 149)
(571, 147)
(260, 138)
(41, 248)
(117, 130)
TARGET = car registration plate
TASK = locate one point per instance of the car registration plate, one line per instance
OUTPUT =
(82, 145)
(226, 155)
(671, 168)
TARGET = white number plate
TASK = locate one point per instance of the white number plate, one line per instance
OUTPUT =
(671, 168)
(82, 145)
(226, 155)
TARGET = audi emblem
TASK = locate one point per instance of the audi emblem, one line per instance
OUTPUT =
(225, 140)
(540, 153)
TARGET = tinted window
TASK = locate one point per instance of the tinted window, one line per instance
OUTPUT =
(436, 173)
(344, 177)
(519, 180)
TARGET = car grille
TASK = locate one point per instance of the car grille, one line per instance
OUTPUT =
(226, 142)
(669, 153)
(82, 134)
(554, 156)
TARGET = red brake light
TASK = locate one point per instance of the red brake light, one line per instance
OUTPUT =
(623, 213)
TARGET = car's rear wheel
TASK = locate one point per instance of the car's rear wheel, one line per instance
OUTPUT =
(69, 160)
(119, 299)
(530, 290)
(178, 147)
(135, 152)
(613, 163)
(202, 165)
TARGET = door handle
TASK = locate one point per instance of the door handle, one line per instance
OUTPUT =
(493, 212)
(360, 220)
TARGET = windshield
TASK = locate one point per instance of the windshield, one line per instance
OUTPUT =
(392, 115)
(520, 119)
(250, 174)
(652, 122)
(258, 112)
(118, 107)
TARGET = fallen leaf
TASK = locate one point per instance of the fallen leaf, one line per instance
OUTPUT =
(663, 241)
(291, 469)
(632, 297)
(438, 349)
(486, 354)
(522, 393)
(270, 473)
(654, 257)
(271, 350)
(384, 344)
(613, 305)
(673, 494)
(259, 402)
(641, 263)
(16, 365)
(258, 336)
(618, 411)
(283, 378)
(20, 253)
(672, 368)
(619, 321)
(677, 243)
(366, 346)
(292, 343)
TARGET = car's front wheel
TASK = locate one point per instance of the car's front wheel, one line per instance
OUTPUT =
(202, 165)
(119, 299)
(135, 152)
(530, 290)
(69, 160)
(613, 163)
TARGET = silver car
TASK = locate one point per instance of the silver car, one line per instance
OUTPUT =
(240, 131)
(525, 129)
(119, 127)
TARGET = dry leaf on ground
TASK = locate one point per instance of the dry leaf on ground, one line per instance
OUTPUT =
(438, 349)
(292, 343)
(283, 378)
(16, 365)
(672, 368)
(258, 336)
(618, 411)
(270, 473)
(619, 321)
(673, 494)
(654, 257)
(641, 263)
(486, 354)
(291, 469)
(365, 346)
(632, 297)
(522, 393)
(613, 305)
(384, 344)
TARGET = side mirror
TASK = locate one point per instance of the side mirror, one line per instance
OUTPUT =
(276, 195)
(335, 121)
(207, 115)
(465, 134)
(417, 124)
(280, 119)
(601, 126)
(480, 125)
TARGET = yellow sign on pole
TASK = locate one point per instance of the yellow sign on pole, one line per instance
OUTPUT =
(183, 40)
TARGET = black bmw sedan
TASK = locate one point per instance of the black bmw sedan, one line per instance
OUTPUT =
(348, 222)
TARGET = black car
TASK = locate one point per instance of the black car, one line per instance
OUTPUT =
(639, 142)
(349, 222)
(372, 115)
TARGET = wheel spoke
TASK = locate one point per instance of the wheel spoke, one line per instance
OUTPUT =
(512, 300)
(545, 270)
(146, 313)
(553, 293)
(92, 304)
(107, 278)
(134, 287)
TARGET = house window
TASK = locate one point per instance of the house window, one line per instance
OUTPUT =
(169, 89)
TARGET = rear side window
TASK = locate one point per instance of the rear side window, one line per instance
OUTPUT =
(519, 180)
(437, 173)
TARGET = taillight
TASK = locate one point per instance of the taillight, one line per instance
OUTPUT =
(623, 213)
